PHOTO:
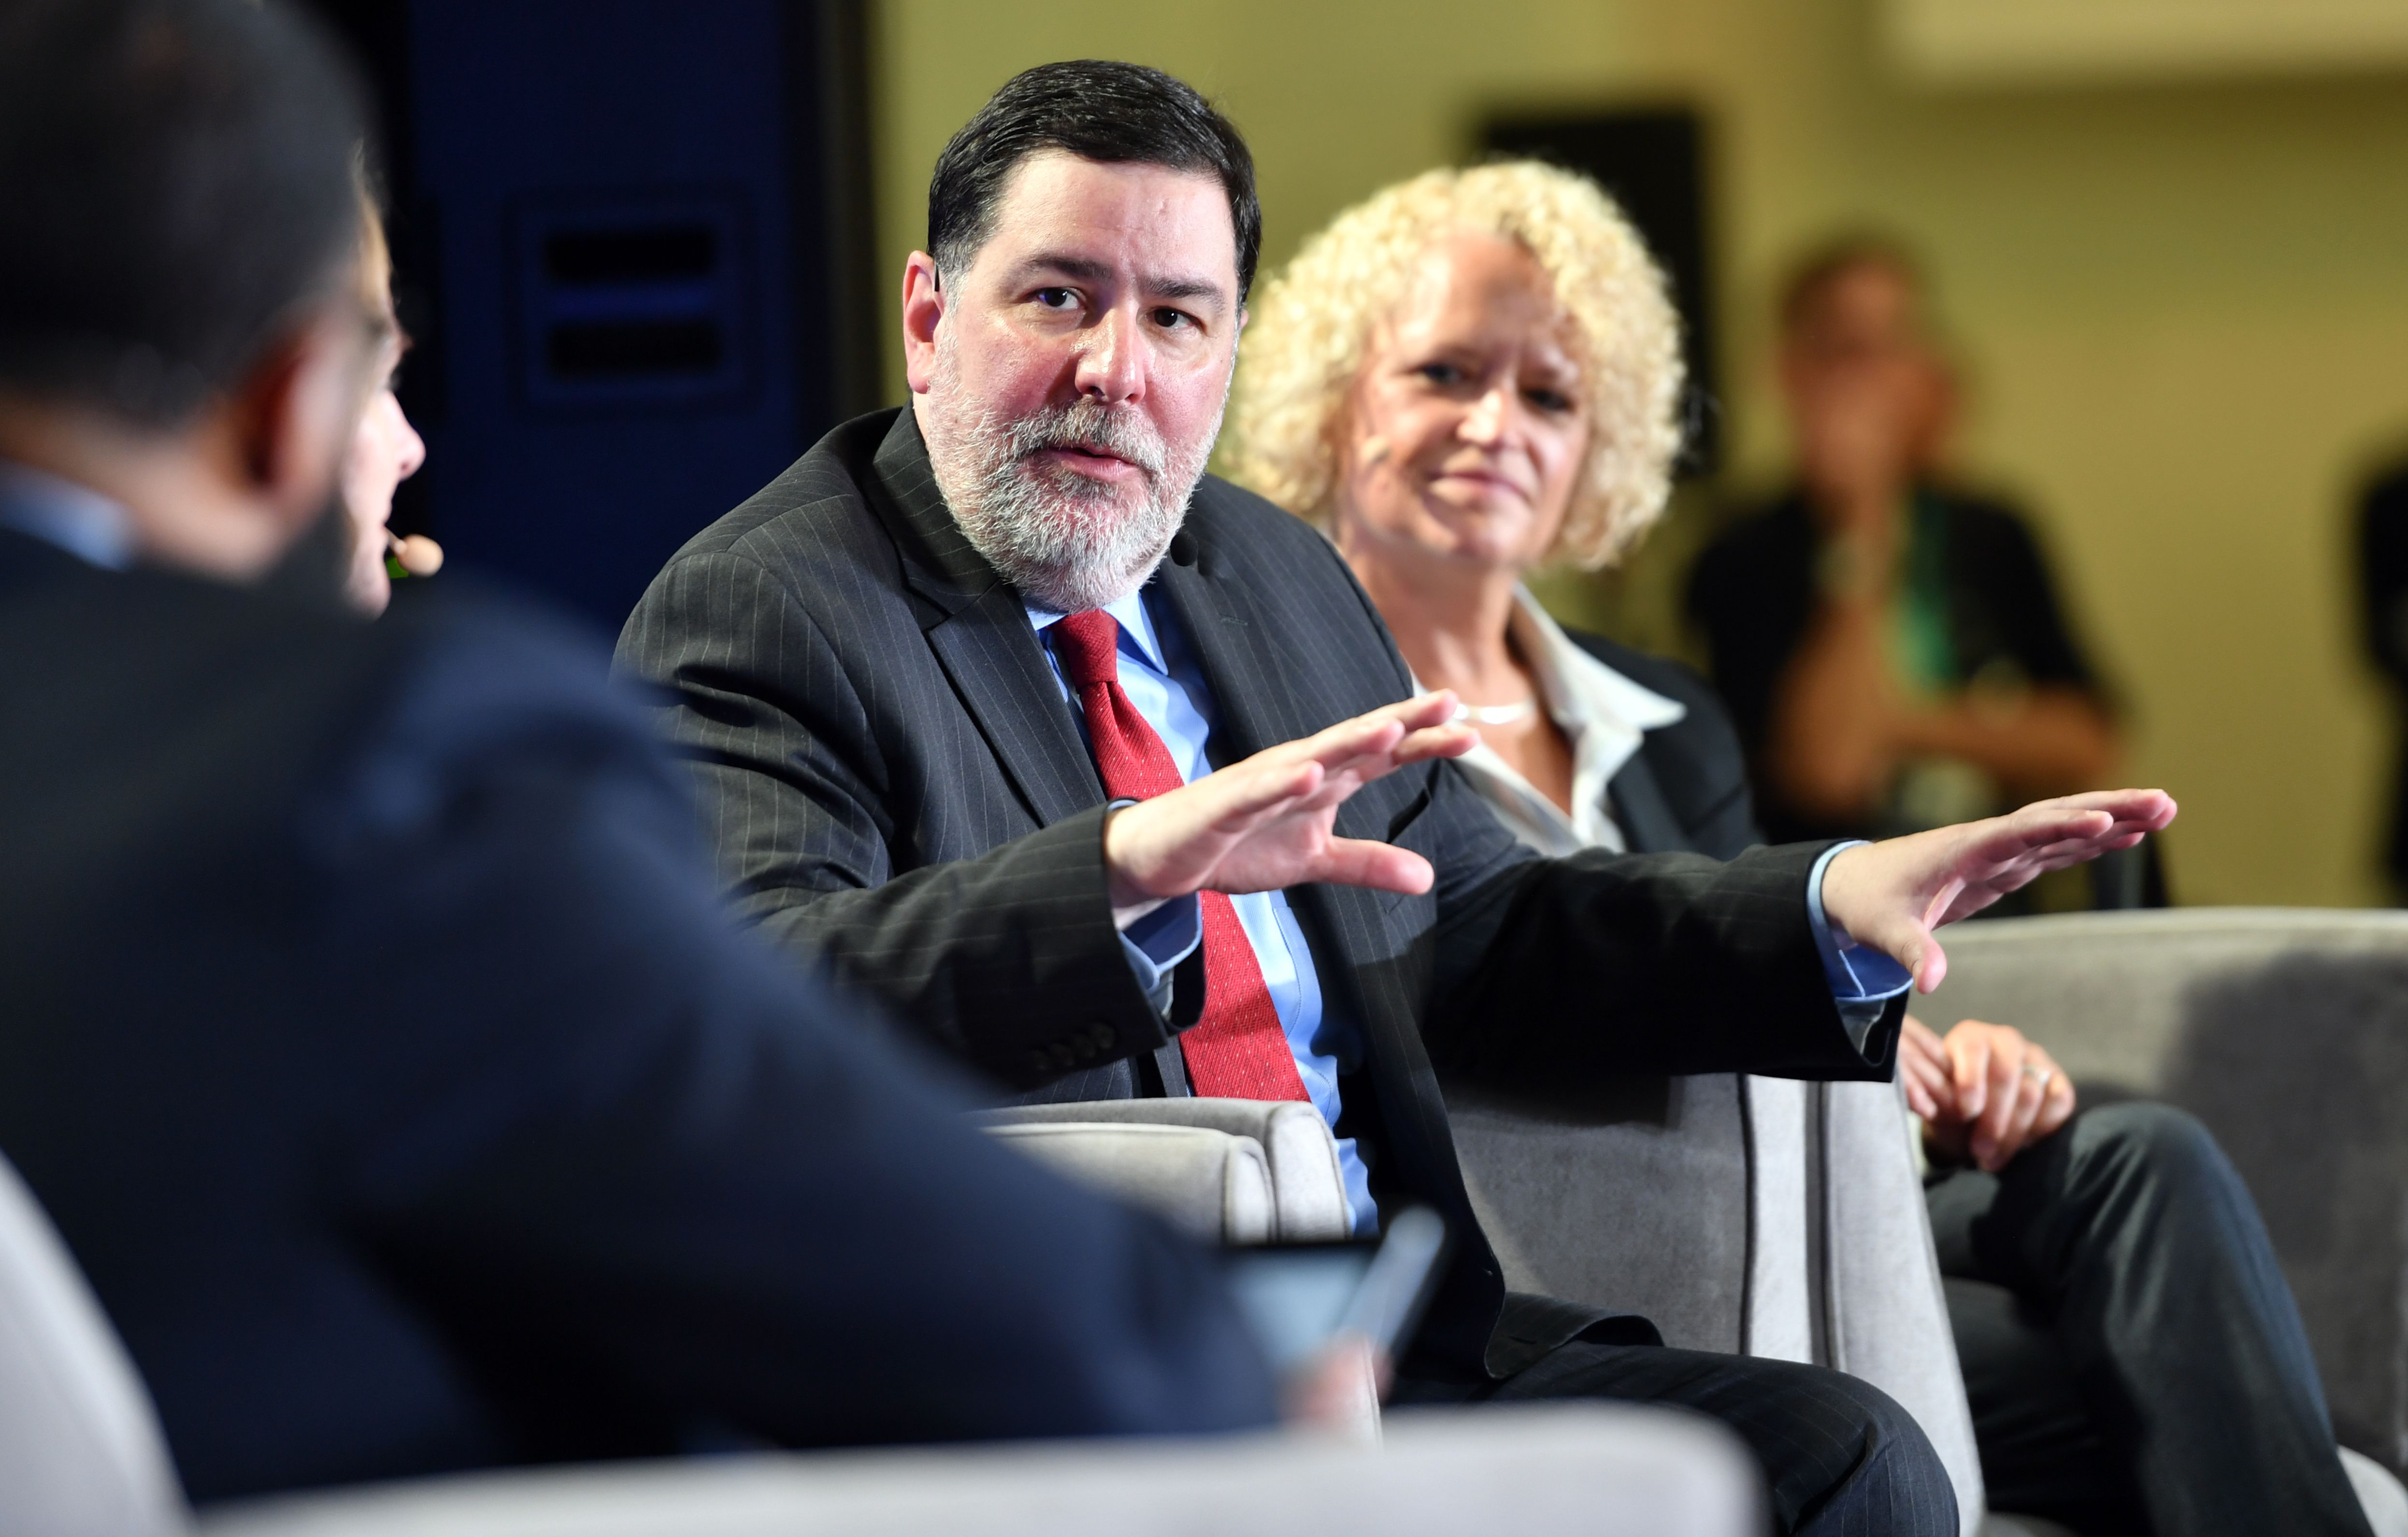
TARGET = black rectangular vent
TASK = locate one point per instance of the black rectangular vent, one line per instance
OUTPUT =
(593, 350)
(631, 256)
(634, 300)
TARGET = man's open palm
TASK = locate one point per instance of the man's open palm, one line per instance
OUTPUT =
(1266, 822)
(1889, 896)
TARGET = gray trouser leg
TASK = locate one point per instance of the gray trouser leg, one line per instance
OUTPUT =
(2137, 1255)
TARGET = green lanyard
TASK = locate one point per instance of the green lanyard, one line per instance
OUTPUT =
(1921, 646)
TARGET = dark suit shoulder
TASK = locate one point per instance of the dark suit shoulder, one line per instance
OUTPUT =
(1760, 555)
(1223, 504)
(1982, 513)
(172, 655)
(1697, 761)
(265, 707)
(1256, 543)
(1673, 679)
(1254, 532)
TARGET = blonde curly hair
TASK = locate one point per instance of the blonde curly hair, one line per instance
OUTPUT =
(1307, 336)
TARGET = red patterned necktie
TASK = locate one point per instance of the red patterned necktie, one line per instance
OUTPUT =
(1237, 1050)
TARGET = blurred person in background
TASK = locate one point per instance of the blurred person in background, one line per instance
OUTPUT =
(375, 1036)
(2383, 578)
(1476, 372)
(1892, 649)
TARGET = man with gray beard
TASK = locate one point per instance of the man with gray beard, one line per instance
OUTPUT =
(1106, 776)
(1052, 532)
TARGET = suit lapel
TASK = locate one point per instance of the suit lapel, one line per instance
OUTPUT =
(980, 635)
(1637, 799)
(1253, 705)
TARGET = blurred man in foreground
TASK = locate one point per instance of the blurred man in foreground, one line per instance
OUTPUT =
(372, 1036)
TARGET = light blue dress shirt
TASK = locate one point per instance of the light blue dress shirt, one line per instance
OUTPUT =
(1163, 681)
(1161, 678)
(77, 519)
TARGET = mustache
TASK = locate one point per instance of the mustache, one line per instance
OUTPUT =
(1091, 425)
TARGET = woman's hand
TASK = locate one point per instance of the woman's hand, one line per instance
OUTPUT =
(1986, 1093)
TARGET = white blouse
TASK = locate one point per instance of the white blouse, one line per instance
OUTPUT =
(1601, 713)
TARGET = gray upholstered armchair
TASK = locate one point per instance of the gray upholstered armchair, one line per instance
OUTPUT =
(1786, 1219)
(2285, 1031)
(1751, 1214)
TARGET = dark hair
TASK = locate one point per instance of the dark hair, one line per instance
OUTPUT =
(1835, 259)
(1096, 109)
(175, 181)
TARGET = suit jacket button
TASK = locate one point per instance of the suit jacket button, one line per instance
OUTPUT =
(1061, 1054)
(1038, 1062)
(1101, 1033)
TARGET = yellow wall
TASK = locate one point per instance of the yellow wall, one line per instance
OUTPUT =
(2186, 309)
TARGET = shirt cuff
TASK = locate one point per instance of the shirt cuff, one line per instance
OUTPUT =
(1862, 981)
(1159, 942)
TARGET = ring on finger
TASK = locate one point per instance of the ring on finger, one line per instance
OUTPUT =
(2043, 1074)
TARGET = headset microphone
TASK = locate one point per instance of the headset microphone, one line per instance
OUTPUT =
(415, 555)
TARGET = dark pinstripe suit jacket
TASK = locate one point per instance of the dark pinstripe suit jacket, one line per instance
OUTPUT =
(1685, 788)
(894, 782)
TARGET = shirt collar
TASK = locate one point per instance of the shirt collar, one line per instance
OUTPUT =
(1578, 689)
(74, 518)
(1604, 715)
(1137, 626)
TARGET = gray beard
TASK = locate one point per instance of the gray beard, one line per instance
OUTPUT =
(1066, 542)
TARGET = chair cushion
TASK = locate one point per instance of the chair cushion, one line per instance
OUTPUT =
(1214, 1186)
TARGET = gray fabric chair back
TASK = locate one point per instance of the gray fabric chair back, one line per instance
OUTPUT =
(2286, 1032)
(80, 1452)
(1758, 1215)
(1629, 1193)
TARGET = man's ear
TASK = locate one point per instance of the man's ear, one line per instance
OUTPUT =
(924, 308)
(290, 420)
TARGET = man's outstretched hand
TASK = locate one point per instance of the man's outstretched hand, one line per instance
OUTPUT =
(1266, 823)
(1889, 896)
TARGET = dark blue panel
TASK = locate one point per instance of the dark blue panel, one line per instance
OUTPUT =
(608, 186)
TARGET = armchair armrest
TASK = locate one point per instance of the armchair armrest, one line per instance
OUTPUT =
(1214, 1187)
(1307, 1194)
(1553, 1470)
